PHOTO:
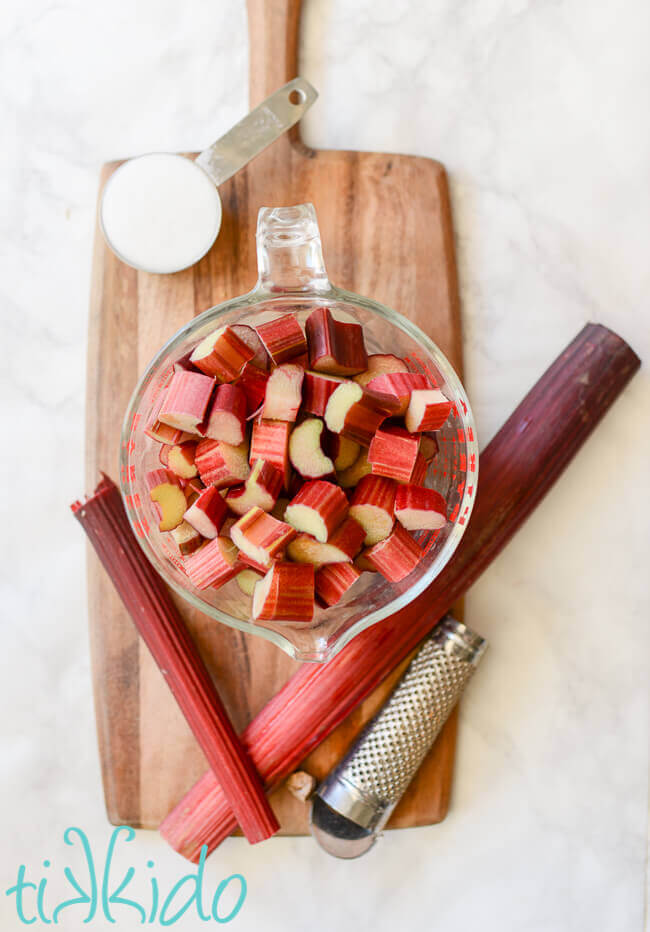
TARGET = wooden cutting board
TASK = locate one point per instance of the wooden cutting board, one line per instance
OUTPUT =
(386, 230)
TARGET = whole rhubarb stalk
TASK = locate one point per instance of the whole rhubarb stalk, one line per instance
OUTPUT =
(518, 467)
(145, 596)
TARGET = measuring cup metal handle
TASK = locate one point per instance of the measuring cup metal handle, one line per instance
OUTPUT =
(255, 132)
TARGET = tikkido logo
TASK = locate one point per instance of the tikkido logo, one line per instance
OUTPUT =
(101, 895)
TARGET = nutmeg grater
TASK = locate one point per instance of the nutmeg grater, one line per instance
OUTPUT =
(354, 802)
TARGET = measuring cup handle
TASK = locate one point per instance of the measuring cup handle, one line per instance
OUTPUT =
(289, 252)
(263, 125)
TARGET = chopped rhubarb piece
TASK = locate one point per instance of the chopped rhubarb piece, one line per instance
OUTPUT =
(342, 450)
(344, 544)
(253, 381)
(170, 503)
(260, 568)
(335, 346)
(163, 433)
(285, 594)
(428, 446)
(221, 464)
(213, 565)
(250, 337)
(246, 580)
(260, 536)
(419, 470)
(283, 338)
(316, 390)
(399, 385)
(317, 509)
(186, 538)
(222, 354)
(395, 557)
(208, 513)
(283, 393)
(305, 451)
(379, 364)
(333, 581)
(357, 413)
(227, 420)
(301, 785)
(363, 564)
(261, 488)
(372, 506)
(395, 453)
(180, 459)
(270, 442)
(419, 509)
(186, 401)
(162, 629)
(351, 476)
(163, 454)
(159, 476)
(193, 489)
(427, 410)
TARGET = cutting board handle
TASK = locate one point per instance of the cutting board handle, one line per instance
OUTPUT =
(273, 27)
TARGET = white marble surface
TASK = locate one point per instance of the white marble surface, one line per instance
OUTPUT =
(539, 111)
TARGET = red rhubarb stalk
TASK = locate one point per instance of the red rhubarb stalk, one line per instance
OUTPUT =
(147, 600)
(335, 346)
(220, 464)
(316, 390)
(222, 354)
(518, 468)
(333, 581)
(427, 410)
(207, 513)
(270, 442)
(317, 509)
(213, 565)
(285, 594)
(393, 453)
(227, 420)
(186, 400)
(283, 338)
(396, 556)
(260, 536)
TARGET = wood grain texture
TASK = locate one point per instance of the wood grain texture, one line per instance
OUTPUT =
(386, 229)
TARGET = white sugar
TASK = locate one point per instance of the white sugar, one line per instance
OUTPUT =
(160, 212)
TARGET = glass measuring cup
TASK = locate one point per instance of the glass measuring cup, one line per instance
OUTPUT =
(292, 277)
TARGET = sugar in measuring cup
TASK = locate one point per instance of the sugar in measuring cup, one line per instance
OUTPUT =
(161, 212)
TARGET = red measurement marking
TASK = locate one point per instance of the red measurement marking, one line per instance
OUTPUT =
(460, 488)
(464, 406)
(472, 463)
(136, 499)
(134, 422)
(454, 409)
(454, 514)
(145, 525)
(463, 462)
(132, 473)
(470, 433)
(460, 433)
(470, 491)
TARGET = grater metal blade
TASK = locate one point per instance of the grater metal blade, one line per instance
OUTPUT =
(355, 801)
